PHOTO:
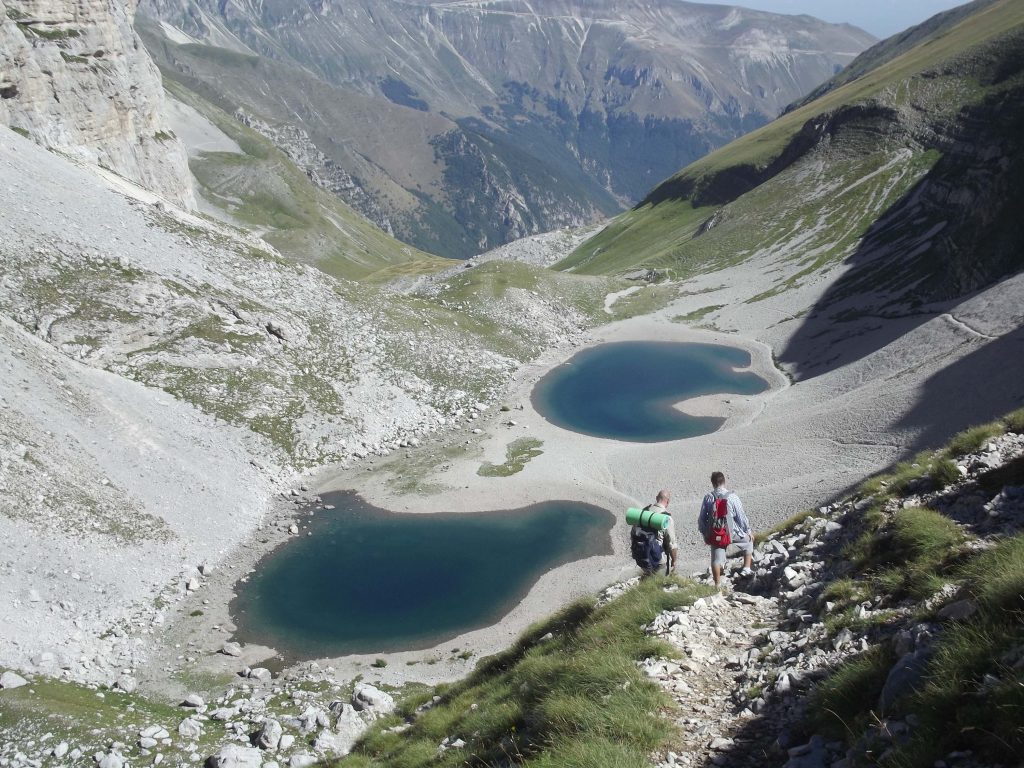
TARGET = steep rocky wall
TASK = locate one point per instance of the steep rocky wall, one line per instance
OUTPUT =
(74, 77)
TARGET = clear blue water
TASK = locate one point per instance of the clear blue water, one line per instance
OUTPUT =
(372, 581)
(626, 390)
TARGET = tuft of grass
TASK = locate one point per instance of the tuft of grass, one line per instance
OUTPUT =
(846, 591)
(1014, 421)
(576, 698)
(944, 473)
(972, 439)
(697, 314)
(517, 455)
(379, 663)
(841, 705)
(869, 525)
(923, 534)
(908, 554)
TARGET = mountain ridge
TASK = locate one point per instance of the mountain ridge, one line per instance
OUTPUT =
(610, 98)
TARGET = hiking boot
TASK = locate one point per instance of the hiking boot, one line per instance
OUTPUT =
(746, 573)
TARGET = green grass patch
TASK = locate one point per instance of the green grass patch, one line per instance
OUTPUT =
(973, 697)
(88, 717)
(971, 440)
(697, 314)
(379, 663)
(944, 473)
(574, 699)
(842, 704)
(517, 456)
(44, 33)
(648, 299)
(907, 554)
(71, 58)
(1014, 421)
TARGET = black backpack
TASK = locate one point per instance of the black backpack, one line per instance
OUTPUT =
(646, 548)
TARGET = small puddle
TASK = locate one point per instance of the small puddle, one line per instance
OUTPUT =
(627, 390)
(372, 581)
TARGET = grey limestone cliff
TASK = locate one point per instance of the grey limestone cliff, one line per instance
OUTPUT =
(74, 77)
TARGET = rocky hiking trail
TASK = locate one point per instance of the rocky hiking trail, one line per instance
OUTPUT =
(750, 655)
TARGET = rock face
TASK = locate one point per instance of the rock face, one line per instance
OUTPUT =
(75, 78)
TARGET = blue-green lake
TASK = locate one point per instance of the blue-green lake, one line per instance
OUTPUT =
(370, 581)
(627, 390)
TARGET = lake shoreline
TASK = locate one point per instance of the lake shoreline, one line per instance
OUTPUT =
(571, 467)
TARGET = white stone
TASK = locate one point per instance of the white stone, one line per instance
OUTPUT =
(126, 683)
(366, 696)
(237, 756)
(270, 734)
(261, 674)
(12, 680)
(190, 728)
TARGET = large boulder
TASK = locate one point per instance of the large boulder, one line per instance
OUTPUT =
(348, 729)
(12, 680)
(190, 728)
(269, 736)
(235, 756)
(366, 697)
(905, 677)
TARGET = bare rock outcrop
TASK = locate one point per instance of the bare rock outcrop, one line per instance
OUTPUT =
(74, 77)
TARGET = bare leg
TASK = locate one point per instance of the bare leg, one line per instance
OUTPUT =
(716, 573)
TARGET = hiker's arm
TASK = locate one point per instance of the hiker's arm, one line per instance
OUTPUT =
(740, 516)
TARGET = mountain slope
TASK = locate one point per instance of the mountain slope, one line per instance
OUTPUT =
(521, 120)
(893, 191)
(243, 178)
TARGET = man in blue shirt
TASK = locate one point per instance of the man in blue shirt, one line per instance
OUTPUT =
(739, 528)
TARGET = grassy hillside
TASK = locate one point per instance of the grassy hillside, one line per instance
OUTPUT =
(923, 542)
(567, 694)
(810, 184)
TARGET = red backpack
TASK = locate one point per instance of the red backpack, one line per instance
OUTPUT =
(718, 531)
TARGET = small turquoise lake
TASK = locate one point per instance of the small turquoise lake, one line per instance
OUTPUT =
(627, 390)
(370, 581)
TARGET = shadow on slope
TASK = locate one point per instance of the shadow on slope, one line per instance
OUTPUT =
(957, 231)
(975, 389)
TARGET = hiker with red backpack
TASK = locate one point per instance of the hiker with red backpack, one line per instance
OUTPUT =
(725, 528)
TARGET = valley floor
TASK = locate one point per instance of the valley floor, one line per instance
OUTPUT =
(899, 385)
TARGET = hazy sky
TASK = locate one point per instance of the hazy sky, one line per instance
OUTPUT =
(879, 17)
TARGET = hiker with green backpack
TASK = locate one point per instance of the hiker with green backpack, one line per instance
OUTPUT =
(653, 533)
(725, 528)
